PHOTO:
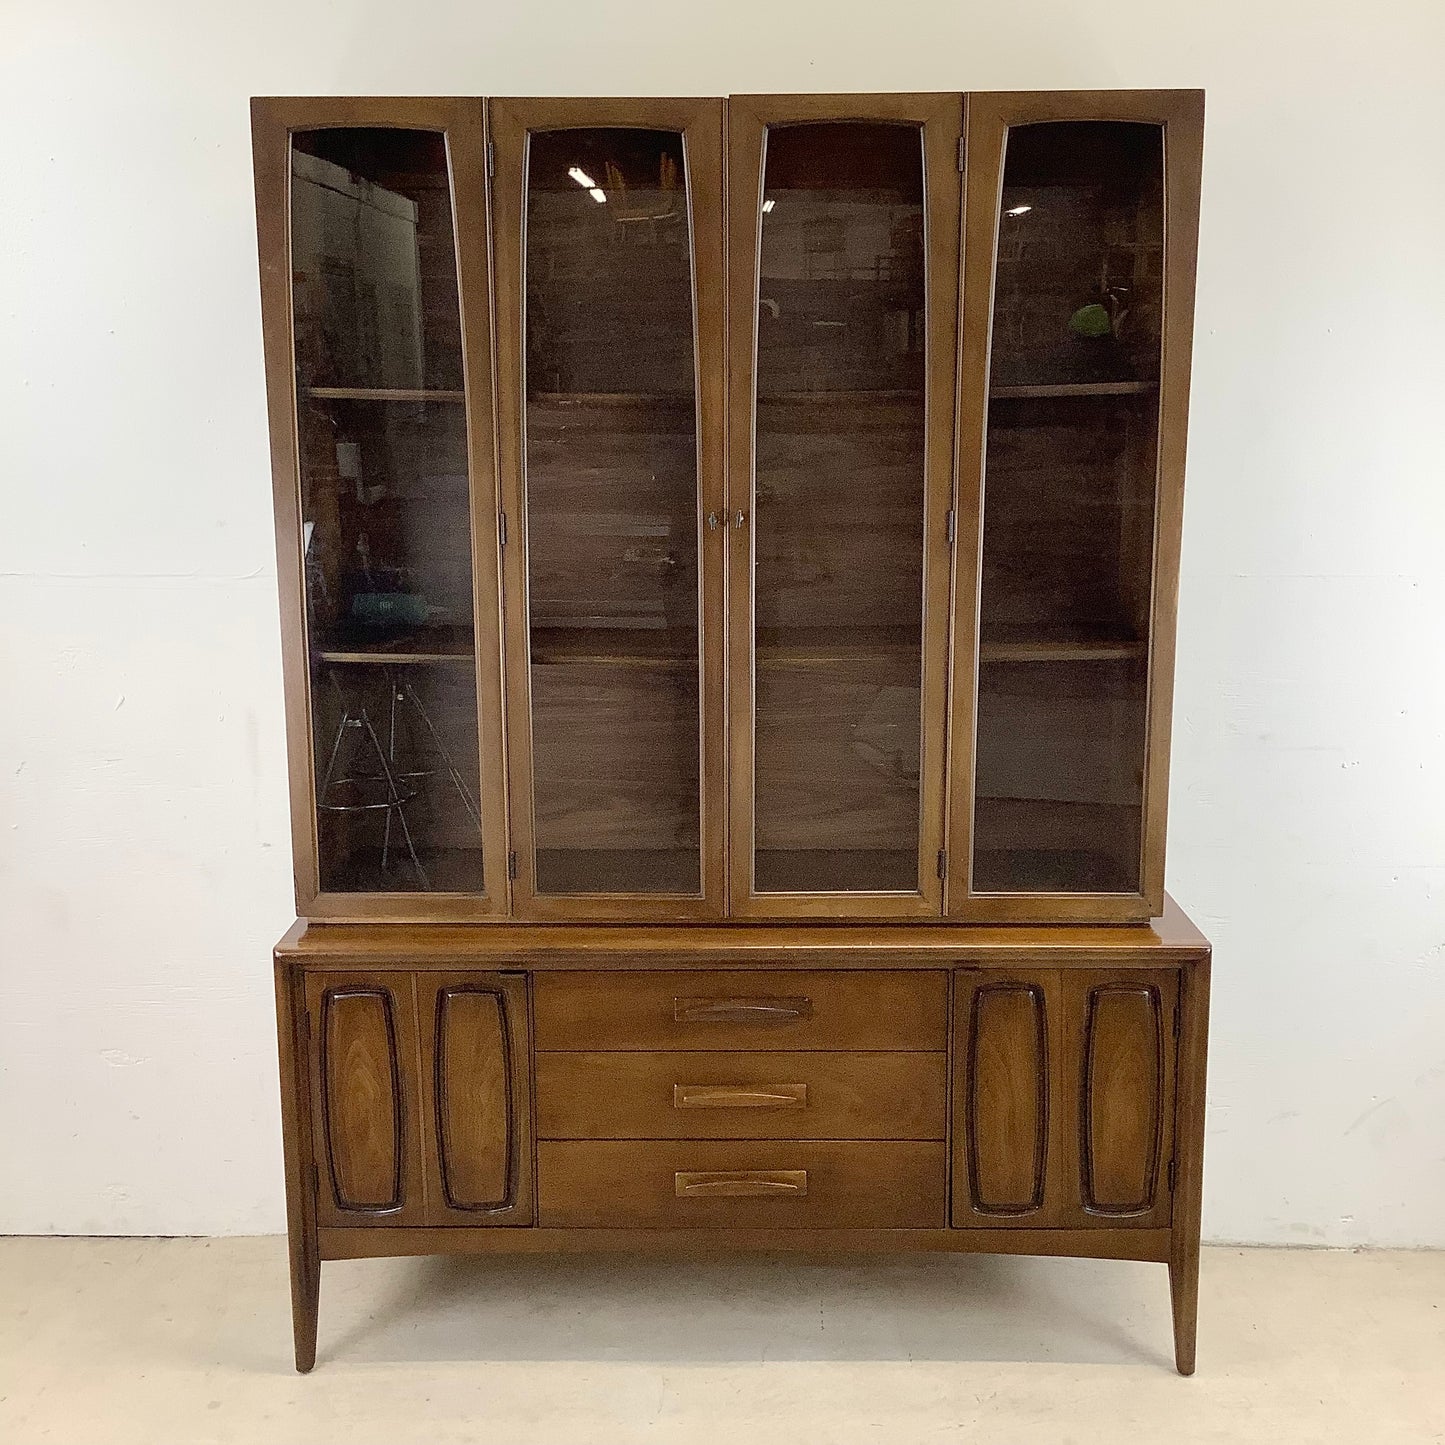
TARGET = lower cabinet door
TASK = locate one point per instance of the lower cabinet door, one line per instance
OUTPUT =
(1063, 1097)
(420, 1107)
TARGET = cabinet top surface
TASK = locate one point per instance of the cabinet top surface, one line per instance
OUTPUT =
(546, 945)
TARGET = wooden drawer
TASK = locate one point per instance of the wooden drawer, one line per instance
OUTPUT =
(741, 1096)
(716, 1184)
(783, 1010)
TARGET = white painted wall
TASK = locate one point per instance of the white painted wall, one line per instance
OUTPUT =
(143, 847)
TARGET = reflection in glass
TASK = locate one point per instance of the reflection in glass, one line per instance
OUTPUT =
(1069, 510)
(612, 513)
(385, 512)
(838, 509)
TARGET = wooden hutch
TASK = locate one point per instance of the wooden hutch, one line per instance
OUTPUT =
(728, 554)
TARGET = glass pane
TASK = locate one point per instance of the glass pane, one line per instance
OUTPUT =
(385, 512)
(838, 510)
(1069, 510)
(612, 513)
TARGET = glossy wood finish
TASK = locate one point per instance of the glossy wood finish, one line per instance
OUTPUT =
(474, 1061)
(741, 1096)
(462, 123)
(587, 1184)
(1193, 1060)
(749, 117)
(365, 1099)
(1181, 115)
(301, 1237)
(700, 122)
(1063, 1097)
(640, 1011)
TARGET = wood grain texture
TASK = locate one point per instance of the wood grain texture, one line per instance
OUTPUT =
(607, 1011)
(1122, 1098)
(740, 1096)
(1117, 1070)
(617, 1184)
(1169, 939)
(365, 1098)
(1006, 1109)
(473, 1057)
(1150, 1245)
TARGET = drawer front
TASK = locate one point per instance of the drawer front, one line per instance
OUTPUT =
(708, 1010)
(753, 1185)
(741, 1096)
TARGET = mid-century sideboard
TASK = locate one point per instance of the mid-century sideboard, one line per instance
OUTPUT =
(728, 556)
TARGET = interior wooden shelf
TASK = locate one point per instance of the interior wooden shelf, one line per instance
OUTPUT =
(1060, 651)
(611, 398)
(791, 647)
(382, 393)
(1071, 388)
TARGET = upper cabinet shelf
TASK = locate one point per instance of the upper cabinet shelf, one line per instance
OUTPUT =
(729, 508)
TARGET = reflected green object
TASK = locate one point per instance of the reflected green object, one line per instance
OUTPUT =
(407, 608)
(1091, 320)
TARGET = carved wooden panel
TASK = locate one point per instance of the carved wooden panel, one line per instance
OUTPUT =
(1006, 1166)
(364, 1098)
(1122, 1097)
(361, 1098)
(479, 1109)
(1006, 1122)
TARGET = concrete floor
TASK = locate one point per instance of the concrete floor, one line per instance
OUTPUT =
(188, 1341)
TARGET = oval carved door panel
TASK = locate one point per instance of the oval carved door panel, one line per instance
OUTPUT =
(1007, 1098)
(474, 1107)
(361, 1093)
(1123, 1098)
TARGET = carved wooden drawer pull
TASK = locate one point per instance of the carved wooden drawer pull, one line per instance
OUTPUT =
(741, 1010)
(740, 1183)
(739, 1096)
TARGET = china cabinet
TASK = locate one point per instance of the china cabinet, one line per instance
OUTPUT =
(728, 557)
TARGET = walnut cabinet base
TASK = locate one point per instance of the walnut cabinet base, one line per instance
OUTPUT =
(1011, 1090)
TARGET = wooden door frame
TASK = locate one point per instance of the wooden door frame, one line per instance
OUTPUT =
(462, 124)
(940, 117)
(1181, 115)
(700, 122)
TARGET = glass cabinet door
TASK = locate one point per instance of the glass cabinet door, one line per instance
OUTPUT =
(1074, 391)
(608, 217)
(844, 216)
(382, 242)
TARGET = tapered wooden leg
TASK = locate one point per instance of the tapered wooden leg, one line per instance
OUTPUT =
(1188, 1159)
(300, 1177)
(1184, 1300)
(305, 1300)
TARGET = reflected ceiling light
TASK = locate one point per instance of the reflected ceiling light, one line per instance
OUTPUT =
(597, 194)
(768, 206)
(1018, 210)
(582, 178)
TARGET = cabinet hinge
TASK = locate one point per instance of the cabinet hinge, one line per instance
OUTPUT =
(501, 529)
(942, 863)
(511, 865)
(491, 158)
(1170, 1173)
(950, 526)
(962, 152)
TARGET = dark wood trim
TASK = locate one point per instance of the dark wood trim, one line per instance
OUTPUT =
(1181, 114)
(303, 1250)
(701, 125)
(940, 115)
(1190, 1074)
(1151, 1245)
(273, 119)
